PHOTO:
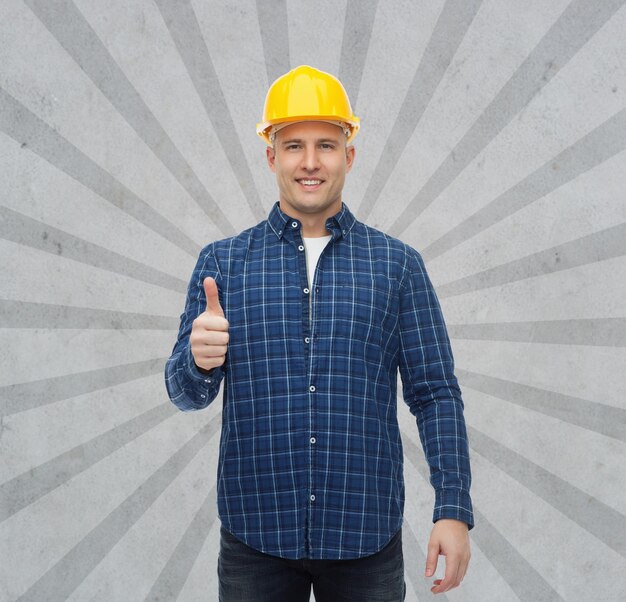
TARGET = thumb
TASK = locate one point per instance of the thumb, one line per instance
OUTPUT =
(212, 299)
(431, 559)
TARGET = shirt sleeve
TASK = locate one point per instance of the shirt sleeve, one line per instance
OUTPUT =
(188, 388)
(432, 392)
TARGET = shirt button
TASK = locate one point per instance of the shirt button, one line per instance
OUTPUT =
(203, 396)
(312, 440)
(312, 498)
(301, 248)
(305, 291)
(294, 224)
(307, 340)
(207, 380)
(312, 389)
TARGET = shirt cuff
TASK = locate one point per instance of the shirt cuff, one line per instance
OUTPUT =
(454, 504)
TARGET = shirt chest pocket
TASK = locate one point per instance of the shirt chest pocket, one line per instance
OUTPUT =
(362, 307)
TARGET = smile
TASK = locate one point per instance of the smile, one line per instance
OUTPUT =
(310, 182)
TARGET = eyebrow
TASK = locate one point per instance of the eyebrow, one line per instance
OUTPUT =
(290, 140)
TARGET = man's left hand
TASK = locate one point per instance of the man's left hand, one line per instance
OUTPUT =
(450, 538)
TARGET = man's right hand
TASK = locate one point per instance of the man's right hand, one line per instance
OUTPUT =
(209, 331)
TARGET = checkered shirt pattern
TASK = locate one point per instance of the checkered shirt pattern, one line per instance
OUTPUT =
(310, 459)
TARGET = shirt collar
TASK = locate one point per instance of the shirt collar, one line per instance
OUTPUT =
(339, 224)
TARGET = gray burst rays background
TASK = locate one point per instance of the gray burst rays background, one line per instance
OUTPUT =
(493, 141)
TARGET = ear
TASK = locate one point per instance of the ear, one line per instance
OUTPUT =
(350, 152)
(270, 153)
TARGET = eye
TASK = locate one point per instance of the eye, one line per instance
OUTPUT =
(326, 146)
(292, 146)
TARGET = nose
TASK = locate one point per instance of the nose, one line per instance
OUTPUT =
(310, 159)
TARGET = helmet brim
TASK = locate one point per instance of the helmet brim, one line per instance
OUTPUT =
(353, 123)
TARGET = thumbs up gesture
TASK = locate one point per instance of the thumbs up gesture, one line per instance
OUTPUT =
(209, 331)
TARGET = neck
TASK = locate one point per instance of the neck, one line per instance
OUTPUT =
(314, 228)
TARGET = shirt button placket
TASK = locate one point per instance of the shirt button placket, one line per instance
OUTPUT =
(312, 441)
(312, 389)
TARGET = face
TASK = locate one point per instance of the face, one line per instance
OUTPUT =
(310, 160)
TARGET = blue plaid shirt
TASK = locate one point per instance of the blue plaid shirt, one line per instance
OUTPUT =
(310, 462)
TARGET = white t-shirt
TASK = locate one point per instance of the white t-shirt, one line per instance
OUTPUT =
(313, 248)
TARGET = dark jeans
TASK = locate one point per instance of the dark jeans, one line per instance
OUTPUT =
(247, 575)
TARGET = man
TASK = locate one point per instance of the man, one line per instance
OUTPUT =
(307, 317)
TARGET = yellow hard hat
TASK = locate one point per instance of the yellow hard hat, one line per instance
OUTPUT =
(306, 94)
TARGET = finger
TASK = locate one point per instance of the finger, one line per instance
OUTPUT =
(210, 323)
(463, 570)
(210, 363)
(214, 337)
(456, 581)
(431, 559)
(449, 579)
(212, 298)
(202, 336)
(212, 351)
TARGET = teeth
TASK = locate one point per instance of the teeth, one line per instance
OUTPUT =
(310, 182)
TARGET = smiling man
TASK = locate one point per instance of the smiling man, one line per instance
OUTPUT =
(311, 160)
(308, 317)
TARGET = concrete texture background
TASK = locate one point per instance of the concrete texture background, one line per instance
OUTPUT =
(493, 141)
